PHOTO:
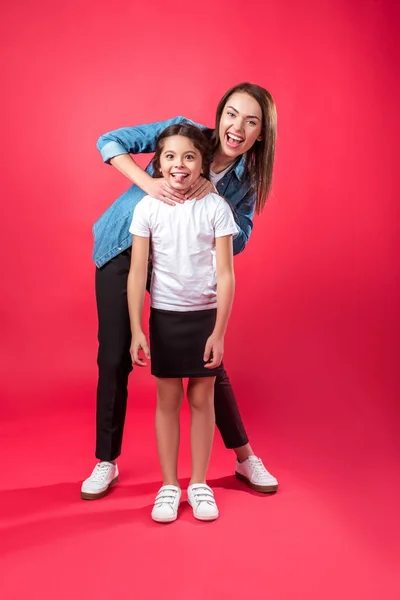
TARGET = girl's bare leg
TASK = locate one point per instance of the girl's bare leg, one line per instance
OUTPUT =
(201, 401)
(169, 401)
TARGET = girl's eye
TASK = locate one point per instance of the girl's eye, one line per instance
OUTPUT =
(189, 157)
(169, 156)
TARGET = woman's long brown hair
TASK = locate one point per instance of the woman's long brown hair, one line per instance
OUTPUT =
(260, 158)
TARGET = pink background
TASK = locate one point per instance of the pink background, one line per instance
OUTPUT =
(312, 347)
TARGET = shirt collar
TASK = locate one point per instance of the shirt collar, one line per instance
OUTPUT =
(239, 167)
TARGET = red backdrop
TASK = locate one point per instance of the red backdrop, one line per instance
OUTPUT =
(313, 342)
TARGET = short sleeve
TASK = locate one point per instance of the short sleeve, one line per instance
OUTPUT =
(224, 223)
(140, 222)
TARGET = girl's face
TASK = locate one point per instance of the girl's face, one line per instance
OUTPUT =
(180, 162)
(240, 125)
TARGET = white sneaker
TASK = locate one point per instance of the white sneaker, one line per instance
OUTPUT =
(253, 472)
(201, 499)
(103, 476)
(165, 509)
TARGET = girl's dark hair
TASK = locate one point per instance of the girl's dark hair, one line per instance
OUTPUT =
(195, 135)
(260, 158)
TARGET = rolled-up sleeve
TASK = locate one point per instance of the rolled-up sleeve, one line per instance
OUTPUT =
(140, 139)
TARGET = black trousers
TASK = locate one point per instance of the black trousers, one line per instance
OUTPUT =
(114, 363)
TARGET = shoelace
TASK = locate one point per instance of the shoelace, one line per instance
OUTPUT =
(100, 472)
(259, 469)
(203, 494)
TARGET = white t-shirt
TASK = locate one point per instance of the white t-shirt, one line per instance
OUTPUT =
(215, 177)
(183, 249)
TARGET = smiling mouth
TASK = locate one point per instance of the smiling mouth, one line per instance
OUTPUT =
(180, 177)
(233, 140)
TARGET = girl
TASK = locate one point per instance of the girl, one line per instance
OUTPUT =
(192, 257)
(242, 163)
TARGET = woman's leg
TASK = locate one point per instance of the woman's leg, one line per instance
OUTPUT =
(169, 401)
(114, 364)
(201, 401)
(249, 468)
(114, 361)
(228, 419)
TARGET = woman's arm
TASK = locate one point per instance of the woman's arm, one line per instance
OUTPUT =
(225, 295)
(126, 165)
(117, 146)
(136, 289)
(244, 214)
(156, 187)
(140, 139)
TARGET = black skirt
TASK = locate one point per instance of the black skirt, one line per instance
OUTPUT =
(178, 340)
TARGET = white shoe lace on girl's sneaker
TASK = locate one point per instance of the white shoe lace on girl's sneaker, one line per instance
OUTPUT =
(104, 475)
(253, 472)
(165, 509)
(201, 499)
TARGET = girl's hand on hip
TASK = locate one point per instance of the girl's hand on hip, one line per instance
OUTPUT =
(160, 189)
(213, 352)
(139, 343)
(200, 188)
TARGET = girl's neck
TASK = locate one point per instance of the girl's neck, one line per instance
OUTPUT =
(221, 161)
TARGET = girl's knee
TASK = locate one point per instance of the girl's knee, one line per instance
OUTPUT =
(169, 395)
(201, 393)
(201, 404)
(170, 403)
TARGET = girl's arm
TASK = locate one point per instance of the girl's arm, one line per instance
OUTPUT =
(225, 294)
(136, 289)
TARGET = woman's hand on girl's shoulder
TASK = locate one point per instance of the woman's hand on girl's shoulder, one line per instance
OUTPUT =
(200, 188)
(160, 189)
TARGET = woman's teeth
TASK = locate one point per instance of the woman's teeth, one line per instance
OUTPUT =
(233, 140)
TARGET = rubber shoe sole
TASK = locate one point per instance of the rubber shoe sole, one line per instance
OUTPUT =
(87, 496)
(165, 519)
(264, 489)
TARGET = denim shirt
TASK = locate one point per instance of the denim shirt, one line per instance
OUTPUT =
(111, 230)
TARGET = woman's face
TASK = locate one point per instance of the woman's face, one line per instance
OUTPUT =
(240, 125)
(180, 162)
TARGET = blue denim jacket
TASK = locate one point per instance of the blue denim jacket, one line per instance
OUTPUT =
(111, 230)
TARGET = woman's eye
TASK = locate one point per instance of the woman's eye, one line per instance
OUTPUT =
(169, 156)
(189, 157)
(252, 122)
(230, 114)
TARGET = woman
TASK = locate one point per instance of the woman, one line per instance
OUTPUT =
(241, 171)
